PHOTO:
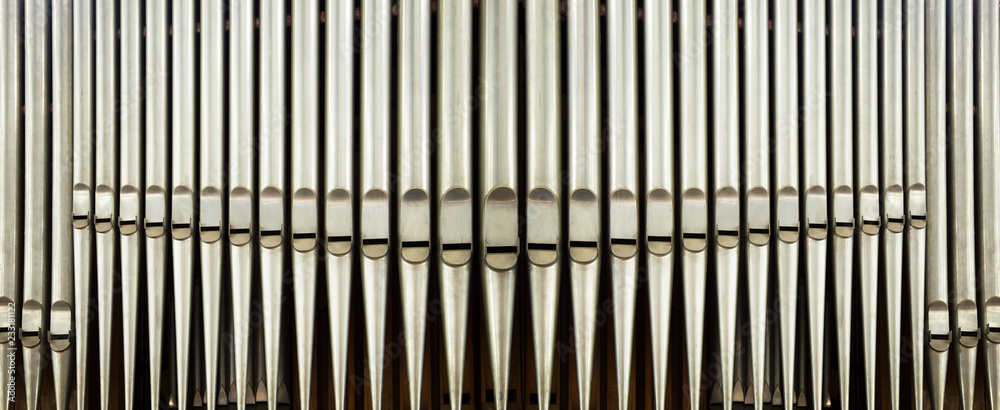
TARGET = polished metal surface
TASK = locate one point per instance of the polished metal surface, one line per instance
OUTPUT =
(961, 203)
(37, 201)
(60, 329)
(288, 177)
(660, 193)
(939, 328)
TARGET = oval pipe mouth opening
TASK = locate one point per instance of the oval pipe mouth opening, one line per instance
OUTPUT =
(375, 224)
(659, 222)
(816, 213)
(694, 220)
(31, 323)
(500, 231)
(7, 303)
(938, 328)
(584, 226)
(758, 216)
(183, 210)
(788, 214)
(414, 226)
(455, 224)
(895, 218)
(81, 206)
(61, 326)
(240, 214)
(917, 207)
(968, 329)
(843, 211)
(104, 205)
(271, 217)
(305, 220)
(339, 222)
(210, 227)
(544, 226)
(623, 214)
(871, 221)
(727, 209)
(128, 215)
(992, 326)
(156, 211)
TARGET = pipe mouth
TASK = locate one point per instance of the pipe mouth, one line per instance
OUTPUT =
(104, 208)
(128, 210)
(240, 216)
(659, 222)
(816, 213)
(210, 227)
(694, 220)
(624, 224)
(415, 226)
(843, 211)
(305, 216)
(81, 206)
(727, 220)
(339, 222)
(584, 226)
(938, 327)
(182, 213)
(543, 228)
(61, 326)
(31, 323)
(272, 211)
(500, 229)
(917, 206)
(895, 217)
(788, 214)
(871, 222)
(375, 224)
(758, 216)
(455, 220)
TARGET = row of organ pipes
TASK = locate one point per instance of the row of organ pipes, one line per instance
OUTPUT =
(852, 145)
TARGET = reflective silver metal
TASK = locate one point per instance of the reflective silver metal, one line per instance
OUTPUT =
(106, 157)
(987, 132)
(660, 193)
(693, 71)
(37, 202)
(786, 199)
(867, 173)
(83, 182)
(961, 194)
(273, 209)
(454, 178)
(915, 181)
(243, 191)
(60, 330)
(184, 174)
(414, 183)
(841, 169)
(157, 190)
(726, 119)
(11, 222)
(498, 183)
(757, 196)
(623, 179)
(305, 184)
(376, 58)
(130, 182)
(816, 217)
(338, 95)
(544, 217)
(212, 174)
(938, 325)
(891, 166)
